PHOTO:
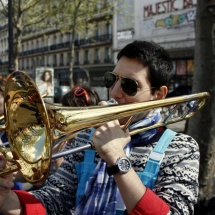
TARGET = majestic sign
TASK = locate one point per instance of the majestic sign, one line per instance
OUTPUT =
(168, 6)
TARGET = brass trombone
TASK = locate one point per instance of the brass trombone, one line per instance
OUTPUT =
(32, 126)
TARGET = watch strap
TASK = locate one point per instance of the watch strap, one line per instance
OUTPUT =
(111, 170)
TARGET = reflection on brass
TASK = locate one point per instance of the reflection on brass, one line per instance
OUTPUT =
(33, 126)
(27, 127)
(7, 153)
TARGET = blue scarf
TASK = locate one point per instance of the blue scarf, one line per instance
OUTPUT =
(100, 195)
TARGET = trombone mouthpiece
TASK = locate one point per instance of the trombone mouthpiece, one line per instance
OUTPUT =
(112, 101)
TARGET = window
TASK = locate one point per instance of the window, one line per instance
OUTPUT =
(32, 45)
(23, 66)
(77, 36)
(77, 57)
(27, 64)
(107, 55)
(37, 44)
(32, 63)
(107, 28)
(42, 61)
(47, 59)
(42, 43)
(61, 38)
(54, 60)
(86, 53)
(54, 40)
(96, 32)
(96, 56)
(37, 61)
(61, 59)
(68, 59)
(68, 37)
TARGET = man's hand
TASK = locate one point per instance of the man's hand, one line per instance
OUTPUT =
(6, 182)
(110, 140)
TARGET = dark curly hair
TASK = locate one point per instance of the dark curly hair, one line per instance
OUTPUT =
(44, 73)
(152, 56)
(80, 96)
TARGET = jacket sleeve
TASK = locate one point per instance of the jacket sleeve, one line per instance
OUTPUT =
(30, 205)
(150, 204)
(177, 182)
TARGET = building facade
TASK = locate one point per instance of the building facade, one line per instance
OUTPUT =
(170, 23)
(4, 48)
(49, 48)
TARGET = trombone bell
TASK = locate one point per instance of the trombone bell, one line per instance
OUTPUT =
(27, 127)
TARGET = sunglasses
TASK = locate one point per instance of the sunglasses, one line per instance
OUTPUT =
(128, 85)
(79, 91)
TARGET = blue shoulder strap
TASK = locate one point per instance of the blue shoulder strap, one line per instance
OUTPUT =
(84, 170)
(150, 173)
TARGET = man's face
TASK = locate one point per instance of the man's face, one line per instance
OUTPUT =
(47, 76)
(131, 68)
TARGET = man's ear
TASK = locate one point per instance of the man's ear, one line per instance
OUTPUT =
(161, 93)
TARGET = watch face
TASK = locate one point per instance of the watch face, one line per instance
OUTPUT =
(124, 164)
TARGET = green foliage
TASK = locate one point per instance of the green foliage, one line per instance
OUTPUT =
(28, 12)
(79, 16)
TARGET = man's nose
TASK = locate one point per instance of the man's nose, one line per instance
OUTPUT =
(116, 90)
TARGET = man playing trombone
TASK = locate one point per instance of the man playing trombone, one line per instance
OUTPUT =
(142, 73)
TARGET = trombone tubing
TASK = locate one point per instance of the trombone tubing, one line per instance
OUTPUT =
(152, 104)
(73, 119)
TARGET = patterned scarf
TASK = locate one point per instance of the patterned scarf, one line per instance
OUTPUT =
(100, 195)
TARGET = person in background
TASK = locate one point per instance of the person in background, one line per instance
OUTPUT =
(142, 73)
(78, 96)
(45, 88)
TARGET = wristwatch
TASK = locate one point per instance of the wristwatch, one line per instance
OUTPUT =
(122, 165)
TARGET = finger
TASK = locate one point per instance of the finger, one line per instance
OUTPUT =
(107, 125)
(103, 103)
(6, 184)
(2, 157)
(2, 162)
(127, 133)
(113, 123)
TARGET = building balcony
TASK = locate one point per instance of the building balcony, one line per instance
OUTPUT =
(106, 38)
(92, 40)
(86, 62)
(97, 61)
(107, 60)
(77, 63)
(53, 47)
(5, 63)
